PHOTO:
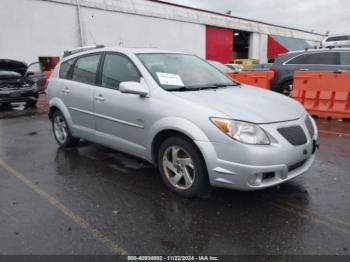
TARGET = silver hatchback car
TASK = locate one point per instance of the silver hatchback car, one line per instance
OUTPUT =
(183, 115)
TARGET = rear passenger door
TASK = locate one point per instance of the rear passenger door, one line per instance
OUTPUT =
(77, 94)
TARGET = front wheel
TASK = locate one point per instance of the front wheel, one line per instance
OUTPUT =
(61, 131)
(182, 167)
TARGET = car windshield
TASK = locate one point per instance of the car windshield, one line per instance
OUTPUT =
(221, 67)
(181, 72)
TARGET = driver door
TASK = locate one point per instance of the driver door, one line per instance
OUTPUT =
(119, 117)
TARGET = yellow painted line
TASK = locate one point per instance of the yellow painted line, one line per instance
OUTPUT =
(333, 133)
(115, 248)
(328, 221)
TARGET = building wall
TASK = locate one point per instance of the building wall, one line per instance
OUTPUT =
(258, 47)
(113, 28)
(32, 28)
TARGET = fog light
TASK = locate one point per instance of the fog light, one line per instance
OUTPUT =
(256, 179)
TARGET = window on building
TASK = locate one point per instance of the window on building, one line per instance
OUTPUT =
(117, 69)
(85, 69)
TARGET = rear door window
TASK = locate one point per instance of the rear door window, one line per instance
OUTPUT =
(116, 69)
(85, 69)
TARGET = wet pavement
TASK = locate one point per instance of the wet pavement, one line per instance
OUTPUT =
(93, 200)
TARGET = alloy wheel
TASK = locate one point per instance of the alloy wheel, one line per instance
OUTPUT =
(60, 129)
(178, 167)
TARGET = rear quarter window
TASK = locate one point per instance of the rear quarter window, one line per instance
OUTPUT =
(65, 68)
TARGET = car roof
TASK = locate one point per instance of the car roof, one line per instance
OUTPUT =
(125, 50)
(318, 50)
(283, 57)
(337, 35)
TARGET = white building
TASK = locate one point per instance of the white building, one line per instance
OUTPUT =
(33, 28)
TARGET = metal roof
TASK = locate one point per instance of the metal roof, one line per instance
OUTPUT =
(292, 44)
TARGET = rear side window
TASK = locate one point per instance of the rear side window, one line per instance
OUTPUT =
(117, 69)
(65, 68)
(326, 58)
(85, 69)
(345, 58)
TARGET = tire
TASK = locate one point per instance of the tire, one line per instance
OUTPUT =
(61, 131)
(189, 169)
(31, 104)
(287, 88)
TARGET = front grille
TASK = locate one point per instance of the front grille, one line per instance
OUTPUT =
(294, 134)
(310, 126)
(297, 165)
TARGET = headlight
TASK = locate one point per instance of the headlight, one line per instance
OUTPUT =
(242, 131)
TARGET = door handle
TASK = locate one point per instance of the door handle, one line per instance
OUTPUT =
(99, 98)
(66, 90)
(304, 69)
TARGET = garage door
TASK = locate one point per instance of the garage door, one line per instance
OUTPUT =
(219, 44)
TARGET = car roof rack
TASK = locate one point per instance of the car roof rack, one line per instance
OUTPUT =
(81, 49)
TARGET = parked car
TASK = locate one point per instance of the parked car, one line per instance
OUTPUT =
(181, 114)
(235, 67)
(223, 68)
(315, 59)
(17, 84)
(336, 41)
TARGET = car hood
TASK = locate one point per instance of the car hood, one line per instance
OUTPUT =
(13, 65)
(247, 103)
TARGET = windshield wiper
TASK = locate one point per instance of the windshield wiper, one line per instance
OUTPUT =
(217, 85)
(203, 87)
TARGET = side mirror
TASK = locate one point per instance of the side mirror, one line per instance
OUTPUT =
(133, 88)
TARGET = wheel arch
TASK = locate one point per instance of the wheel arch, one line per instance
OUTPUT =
(285, 81)
(56, 104)
(183, 128)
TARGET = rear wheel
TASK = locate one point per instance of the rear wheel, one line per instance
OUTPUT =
(182, 167)
(287, 88)
(61, 131)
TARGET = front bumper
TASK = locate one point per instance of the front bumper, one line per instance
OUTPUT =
(18, 95)
(250, 167)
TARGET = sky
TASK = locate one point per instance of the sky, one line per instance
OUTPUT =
(321, 16)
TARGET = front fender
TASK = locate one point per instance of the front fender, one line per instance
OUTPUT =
(177, 124)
